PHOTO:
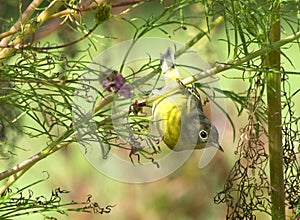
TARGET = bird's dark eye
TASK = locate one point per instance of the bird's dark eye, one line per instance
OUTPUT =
(203, 134)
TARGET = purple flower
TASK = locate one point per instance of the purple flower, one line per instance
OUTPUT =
(116, 83)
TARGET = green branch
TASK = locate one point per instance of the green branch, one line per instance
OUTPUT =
(6, 48)
(229, 65)
(6, 36)
(272, 61)
(18, 170)
(29, 29)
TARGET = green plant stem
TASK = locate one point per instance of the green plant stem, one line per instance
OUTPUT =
(199, 36)
(226, 66)
(81, 9)
(6, 36)
(49, 13)
(29, 29)
(18, 170)
(273, 80)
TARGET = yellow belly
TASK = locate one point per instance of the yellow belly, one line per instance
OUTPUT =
(176, 120)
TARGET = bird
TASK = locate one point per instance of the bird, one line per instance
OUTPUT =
(178, 116)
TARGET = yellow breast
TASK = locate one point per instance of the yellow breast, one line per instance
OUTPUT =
(169, 114)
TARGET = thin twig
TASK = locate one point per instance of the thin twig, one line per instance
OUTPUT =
(17, 26)
(63, 45)
(222, 67)
(79, 10)
(31, 28)
(199, 36)
(91, 7)
(18, 170)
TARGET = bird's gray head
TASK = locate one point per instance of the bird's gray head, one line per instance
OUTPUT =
(208, 135)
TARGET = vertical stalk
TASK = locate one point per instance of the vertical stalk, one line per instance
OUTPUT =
(273, 80)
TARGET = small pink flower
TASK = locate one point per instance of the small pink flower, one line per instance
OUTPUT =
(116, 83)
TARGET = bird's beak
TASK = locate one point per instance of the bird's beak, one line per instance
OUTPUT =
(218, 146)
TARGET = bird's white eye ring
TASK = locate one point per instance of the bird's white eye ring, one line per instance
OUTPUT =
(203, 134)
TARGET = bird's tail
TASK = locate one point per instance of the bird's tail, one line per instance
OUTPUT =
(168, 67)
(167, 60)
